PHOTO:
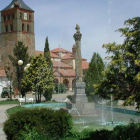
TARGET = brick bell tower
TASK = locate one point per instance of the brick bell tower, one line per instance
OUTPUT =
(17, 24)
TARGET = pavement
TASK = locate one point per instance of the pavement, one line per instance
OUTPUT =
(3, 108)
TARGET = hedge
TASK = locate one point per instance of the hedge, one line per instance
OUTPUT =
(46, 122)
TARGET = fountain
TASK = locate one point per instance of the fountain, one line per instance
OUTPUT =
(80, 103)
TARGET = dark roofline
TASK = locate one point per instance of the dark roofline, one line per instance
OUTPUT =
(22, 5)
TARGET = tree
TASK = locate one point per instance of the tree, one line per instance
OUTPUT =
(38, 77)
(20, 53)
(122, 77)
(9, 73)
(94, 73)
(48, 93)
(47, 52)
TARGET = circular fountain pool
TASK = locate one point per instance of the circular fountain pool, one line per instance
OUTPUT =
(48, 105)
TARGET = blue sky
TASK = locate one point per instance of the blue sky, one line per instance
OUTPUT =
(98, 20)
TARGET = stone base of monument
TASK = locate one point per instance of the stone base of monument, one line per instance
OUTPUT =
(80, 109)
(80, 105)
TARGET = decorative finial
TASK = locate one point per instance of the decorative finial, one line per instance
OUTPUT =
(77, 27)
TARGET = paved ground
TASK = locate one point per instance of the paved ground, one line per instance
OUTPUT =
(3, 108)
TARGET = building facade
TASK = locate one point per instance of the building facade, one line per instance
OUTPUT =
(64, 66)
(17, 24)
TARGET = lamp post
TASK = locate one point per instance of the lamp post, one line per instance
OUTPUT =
(25, 68)
(20, 62)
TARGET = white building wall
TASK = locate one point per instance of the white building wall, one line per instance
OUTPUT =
(3, 83)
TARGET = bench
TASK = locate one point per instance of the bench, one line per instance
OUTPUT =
(23, 100)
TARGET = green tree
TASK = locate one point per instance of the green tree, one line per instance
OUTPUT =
(48, 93)
(20, 53)
(47, 52)
(9, 73)
(94, 73)
(38, 77)
(122, 77)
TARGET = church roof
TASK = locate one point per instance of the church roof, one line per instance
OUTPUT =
(61, 64)
(21, 5)
(57, 50)
(42, 52)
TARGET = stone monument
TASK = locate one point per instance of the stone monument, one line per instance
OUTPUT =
(80, 101)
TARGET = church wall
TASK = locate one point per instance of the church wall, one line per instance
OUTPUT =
(7, 44)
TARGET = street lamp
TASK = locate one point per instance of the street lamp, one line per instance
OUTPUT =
(20, 62)
(25, 69)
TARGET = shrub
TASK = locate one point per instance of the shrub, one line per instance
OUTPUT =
(48, 95)
(70, 97)
(97, 135)
(60, 88)
(30, 134)
(128, 132)
(46, 122)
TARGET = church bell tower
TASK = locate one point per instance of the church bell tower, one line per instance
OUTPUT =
(17, 24)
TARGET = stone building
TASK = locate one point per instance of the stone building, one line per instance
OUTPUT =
(64, 66)
(17, 24)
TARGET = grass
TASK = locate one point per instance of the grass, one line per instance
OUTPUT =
(9, 101)
(13, 110)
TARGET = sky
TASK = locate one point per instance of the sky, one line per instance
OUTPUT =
(98, 21)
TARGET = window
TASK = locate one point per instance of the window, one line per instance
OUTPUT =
(4, 18)
(22, 26)
(6, 28)
(13, 16)
(30, 17)
(8, 17)
(20, 15)
(28, 28)
(11, 27)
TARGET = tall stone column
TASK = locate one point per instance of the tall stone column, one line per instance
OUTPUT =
(80, 101)
(79, 92)
(78, 58)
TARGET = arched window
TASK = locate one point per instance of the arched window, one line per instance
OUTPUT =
(4, 18)
(11, 27)
(13, 16)
(20, 15)
(28, 28)
(6, 28)
(30, 17)
(22, 26)
(8, 17)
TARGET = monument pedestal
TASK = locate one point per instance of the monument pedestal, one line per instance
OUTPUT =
(80, 103)
(79, 93)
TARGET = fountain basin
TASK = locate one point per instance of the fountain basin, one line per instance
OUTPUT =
(48, 105)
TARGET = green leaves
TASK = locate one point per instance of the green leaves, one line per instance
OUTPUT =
(39, 76)
(122, 74)
(94, 73)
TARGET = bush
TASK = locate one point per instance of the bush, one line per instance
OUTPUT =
(44, 122)
(70, 97)
(97, 135)
(48, 95)
(128, 132)
(60, 88)
(123, 132)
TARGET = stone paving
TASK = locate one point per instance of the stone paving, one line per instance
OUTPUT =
(3, 108)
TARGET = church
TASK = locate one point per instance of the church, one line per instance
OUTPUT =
(17, 24)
